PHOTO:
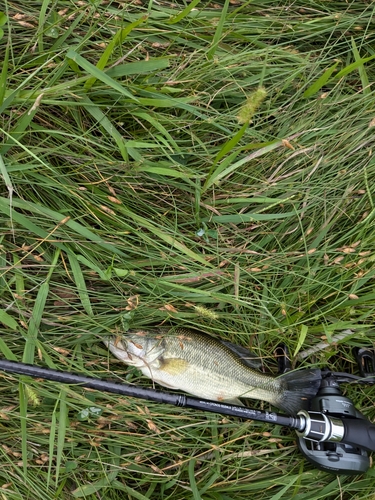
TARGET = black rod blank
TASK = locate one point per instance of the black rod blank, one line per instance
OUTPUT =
(149, 394)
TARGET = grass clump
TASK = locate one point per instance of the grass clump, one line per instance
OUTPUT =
(131, 196)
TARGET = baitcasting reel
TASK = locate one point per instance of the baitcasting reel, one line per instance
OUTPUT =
(331, 455)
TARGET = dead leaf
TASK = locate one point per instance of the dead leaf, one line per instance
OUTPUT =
(152, 426)
(114, 200)
(133, 302)
(287, 144)
(168, 307)
(107, 210)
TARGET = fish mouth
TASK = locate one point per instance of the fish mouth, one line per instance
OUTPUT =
(117, 347)
(133, 351)
(107, 340)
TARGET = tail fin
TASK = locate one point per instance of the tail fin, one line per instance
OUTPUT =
(298, 388)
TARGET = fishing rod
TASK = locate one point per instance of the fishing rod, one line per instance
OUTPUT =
(333, 435)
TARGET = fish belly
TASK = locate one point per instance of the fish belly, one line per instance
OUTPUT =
(203, 384)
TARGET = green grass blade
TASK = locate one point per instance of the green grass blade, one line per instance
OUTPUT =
(98, 74)
(51, 448)
(33, 330)
(62, 427)
(193, 483)
(171, 240)
(281, 493)
(24, 221)
(94, 488)
(155, 123)
(14, 140)
(301, 339)
(25, 391)
(5, 175)
(92, 265)
(222, 170)
(59, 43)
(7, 353)
(320, 82)
(79, 229)
(244, 218)
(23, 83)
(8, 183)
(184, 13)
(41, 24)
(139, 67)
(353, 66)
(22, 125)
(229, 145)
(8, 320)
(4, 74)
(219, 30)
(118, 39)
(361, 70)
(168, 172)
(80, 283)
(104, 122)
(23, 425)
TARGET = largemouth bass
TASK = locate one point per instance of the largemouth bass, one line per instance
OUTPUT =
(195, 362)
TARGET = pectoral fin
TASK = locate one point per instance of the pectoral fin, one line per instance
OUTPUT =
(173, 366)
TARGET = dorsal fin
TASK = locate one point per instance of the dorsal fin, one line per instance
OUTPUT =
(249, 358)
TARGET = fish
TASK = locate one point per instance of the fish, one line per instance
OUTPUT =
(199, 364)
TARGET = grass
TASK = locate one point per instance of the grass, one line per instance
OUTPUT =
(133, 195)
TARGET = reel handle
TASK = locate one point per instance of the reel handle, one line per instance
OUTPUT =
(359, 432)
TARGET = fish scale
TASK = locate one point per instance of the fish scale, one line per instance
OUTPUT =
(197, 363)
